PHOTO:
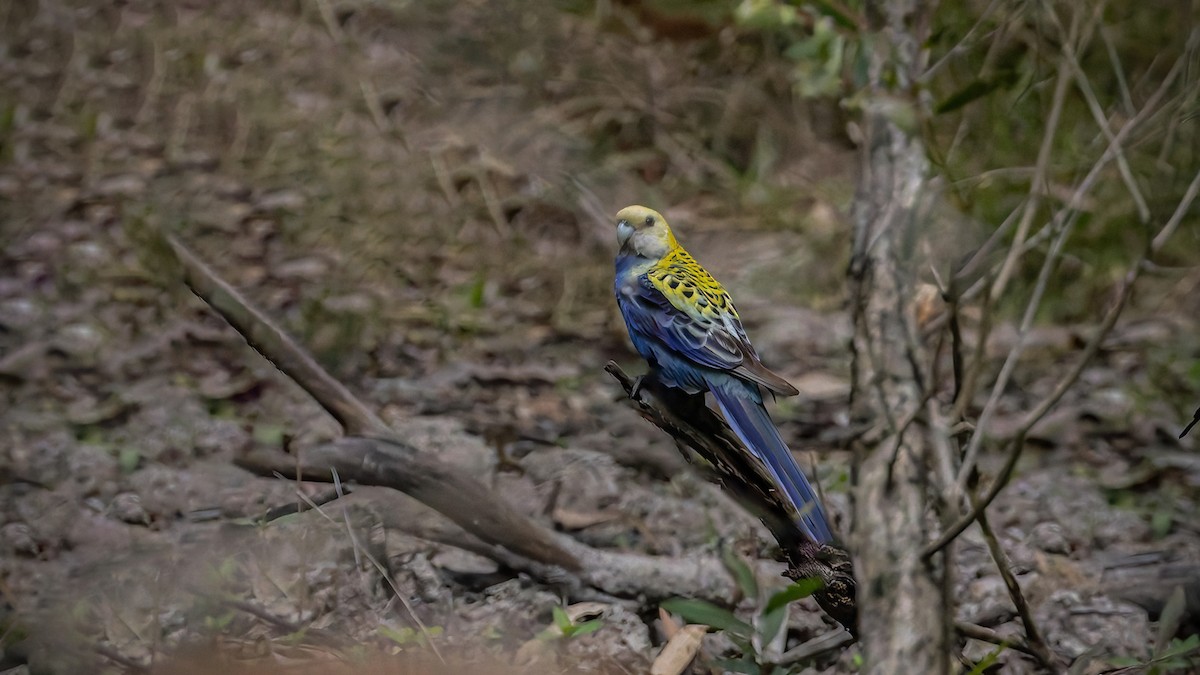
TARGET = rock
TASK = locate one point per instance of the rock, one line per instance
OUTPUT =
(127, 507)
(1049, 537)
(18, 538)
(1076, 623)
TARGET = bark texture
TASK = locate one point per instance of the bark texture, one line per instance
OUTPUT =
(900, 598)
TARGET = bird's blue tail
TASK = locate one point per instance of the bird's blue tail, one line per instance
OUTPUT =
(750, 422)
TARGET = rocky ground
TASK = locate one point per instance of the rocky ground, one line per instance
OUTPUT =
(427, 215)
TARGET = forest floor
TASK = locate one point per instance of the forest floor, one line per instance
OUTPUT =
(428, 213)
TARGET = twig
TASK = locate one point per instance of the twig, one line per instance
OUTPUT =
(983, 16)
(360, 550)
(815, 647)
(1118, 71)
(1014, 354)
(306, 503)
(1148, 109)
(1017, 444)
(390, 463)
(625, 575)
(426, 478)
(1101, 120)
(1160, 240)
(692, 425)
(1035, 184)
(276, 346)
(977, 632)
(1069, 213)
(1033, 635)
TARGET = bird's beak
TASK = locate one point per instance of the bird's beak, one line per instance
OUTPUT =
(624, 232)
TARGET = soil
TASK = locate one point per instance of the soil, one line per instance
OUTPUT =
(427, 212)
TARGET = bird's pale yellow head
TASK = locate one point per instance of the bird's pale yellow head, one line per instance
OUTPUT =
(643, 231)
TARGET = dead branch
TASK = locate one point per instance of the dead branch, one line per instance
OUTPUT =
(471, 516)
(1033, 635)
(1060, 227)
(1149, 579)
(1016, 445)
(701, 434)
(382, 455)
(367, 462)
(977, 632)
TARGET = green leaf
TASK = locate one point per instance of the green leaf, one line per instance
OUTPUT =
(987, 661)
(770, 622)
(128, 459)
(774, 614)
(586, 627)
(475, 293)
(1188, 647)
(561, 619)
(973, 90)
(742, 574)
(269, 434)
(702, 612)
(219, 622)
(1160, 522)
(796, 591)
(1168, 621)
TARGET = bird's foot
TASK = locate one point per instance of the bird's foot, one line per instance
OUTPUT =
(636, 390)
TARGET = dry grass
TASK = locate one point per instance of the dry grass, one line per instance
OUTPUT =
(424, 156)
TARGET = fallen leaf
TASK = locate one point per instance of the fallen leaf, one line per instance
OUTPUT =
(586, 611)
(679, 650)
(669, 625)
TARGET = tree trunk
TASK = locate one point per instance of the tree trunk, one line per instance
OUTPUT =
(900, 598)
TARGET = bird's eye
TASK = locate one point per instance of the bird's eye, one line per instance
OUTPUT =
(649, 220)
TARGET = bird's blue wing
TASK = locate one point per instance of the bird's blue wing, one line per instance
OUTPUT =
(698, 340)
(709, 339)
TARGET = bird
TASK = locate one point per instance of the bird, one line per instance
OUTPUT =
(684, 324)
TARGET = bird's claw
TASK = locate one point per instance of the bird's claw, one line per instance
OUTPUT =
(636, 389)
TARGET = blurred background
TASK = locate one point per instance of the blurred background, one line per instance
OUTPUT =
(421, 193)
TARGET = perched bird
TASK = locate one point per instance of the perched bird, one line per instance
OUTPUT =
(682, 321)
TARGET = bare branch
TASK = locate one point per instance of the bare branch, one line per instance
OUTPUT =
(261, 333)
(368, 462)
(977, 632)
(695, 427)
(1033, 635)
(444, 488)
(815, 647)
(1014, 354)
(1160, 240)
(1017, 443)
(1085, 87)
(1064, 221)
(1035, 185)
